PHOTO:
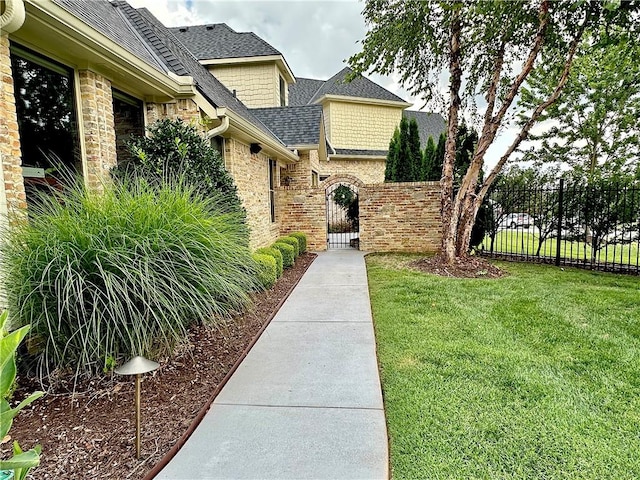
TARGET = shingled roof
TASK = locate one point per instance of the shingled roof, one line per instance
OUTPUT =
(429, 125)
(298, 125)
(360, 87)
(301, 92)
(218, 40)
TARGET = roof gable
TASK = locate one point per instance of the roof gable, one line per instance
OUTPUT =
(301, 92)
(360, 87)
(217, 41)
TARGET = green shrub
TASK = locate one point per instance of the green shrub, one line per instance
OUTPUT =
(21, 462)
(293, 242)
(287, 251)
(267, 270)
(275, 253)
(124, 273)
(302, 240)
(175, 149)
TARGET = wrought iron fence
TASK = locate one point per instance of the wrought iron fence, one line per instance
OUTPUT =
(595, 227)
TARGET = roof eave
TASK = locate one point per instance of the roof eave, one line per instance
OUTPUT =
(339, 156)
(363, 100)
(278, 59)
(86, 47)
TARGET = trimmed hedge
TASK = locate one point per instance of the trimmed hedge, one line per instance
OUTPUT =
(287, 251)
(293, 242)
(267, 271)
(275, 253)
(302, 240)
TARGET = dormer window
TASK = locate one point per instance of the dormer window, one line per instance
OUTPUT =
(283, 98)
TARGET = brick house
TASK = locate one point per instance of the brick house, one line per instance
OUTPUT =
(110, 69)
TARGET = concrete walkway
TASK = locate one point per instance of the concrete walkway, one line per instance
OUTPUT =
(306, 402)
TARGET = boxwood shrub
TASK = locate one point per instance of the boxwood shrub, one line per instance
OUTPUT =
(293, 242)
(302, 240)
(109, 276)
(267, 270)
(287, 251)
(275, 253)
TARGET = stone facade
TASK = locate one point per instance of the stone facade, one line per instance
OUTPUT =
(299, 174)
(256, 85)
(303, 210)
(251, 175)
(98, 128)
(359, 125)
(400, 217)
(368, 171)
(12, 196)
(184, 108)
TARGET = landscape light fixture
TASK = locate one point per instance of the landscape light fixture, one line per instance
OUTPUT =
(137, 366)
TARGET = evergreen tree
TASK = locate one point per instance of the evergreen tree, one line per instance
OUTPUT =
(438, 158)
(404, 168)
(428, 172)
(414, 152)
(392, 157)
(466, 140)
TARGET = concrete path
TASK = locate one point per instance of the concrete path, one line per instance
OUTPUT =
(306, 402)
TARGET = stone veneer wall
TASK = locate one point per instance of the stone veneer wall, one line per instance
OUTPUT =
(400, 217)
(394, 217)
(303, 210)
(184, 108)
(369, 171)
(12, 185)
(251, 175)
(98, 127)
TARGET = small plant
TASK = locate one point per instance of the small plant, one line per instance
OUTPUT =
(293, 242)
(287, 251)
(275, 253)
(267, 270)
(302, 240)
(21, 462)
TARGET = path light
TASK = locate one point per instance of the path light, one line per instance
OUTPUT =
(137, 366)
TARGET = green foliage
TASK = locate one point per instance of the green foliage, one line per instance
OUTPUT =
(345, 197)
(302, 240)
(288, 253)
(392, 157)
(293, 242)
(124, 272)
(267, 270)
(277, 256)
(466, 141)
(21, 462)
(429, 171)
(532, 375)
(175, 149)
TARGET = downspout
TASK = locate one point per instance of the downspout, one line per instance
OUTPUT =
(13, 16)
(220, 129)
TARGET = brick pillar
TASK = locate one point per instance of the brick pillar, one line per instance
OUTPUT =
(13, 183)
(98, 126)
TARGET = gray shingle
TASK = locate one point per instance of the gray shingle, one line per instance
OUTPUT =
(301, 92)
(181, 62)
(360, 87)
(429, 125)
(299, 125)
(217, 41)
(104, 17)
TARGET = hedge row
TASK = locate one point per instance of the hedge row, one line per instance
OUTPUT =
(282, 254)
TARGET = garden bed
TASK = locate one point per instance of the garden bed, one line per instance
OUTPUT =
(91, 434)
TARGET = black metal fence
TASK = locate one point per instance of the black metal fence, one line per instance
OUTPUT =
(595, 227)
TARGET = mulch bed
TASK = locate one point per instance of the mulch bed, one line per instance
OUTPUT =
(91, 434)
(467, 267)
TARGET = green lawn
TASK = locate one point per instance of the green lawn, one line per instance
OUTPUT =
(526, 243)
(535, 375)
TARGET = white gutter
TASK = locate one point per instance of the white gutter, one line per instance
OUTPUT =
(13, 16)
(220, 129)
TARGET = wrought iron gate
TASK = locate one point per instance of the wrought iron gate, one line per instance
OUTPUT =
(342, 216)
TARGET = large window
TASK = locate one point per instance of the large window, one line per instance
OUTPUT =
(272, 185)
(128, 117)
(46, 119)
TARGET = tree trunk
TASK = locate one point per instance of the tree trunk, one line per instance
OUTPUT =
(449, 220)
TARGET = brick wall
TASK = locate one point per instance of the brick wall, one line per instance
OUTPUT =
(98, 127)
(251, 175)
(369, 171)
(303, 210)
(184, 108)
(12, 197)
(361, 126)
(400, 217)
